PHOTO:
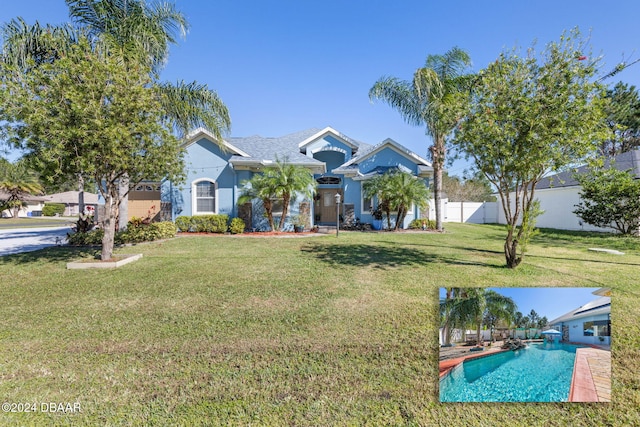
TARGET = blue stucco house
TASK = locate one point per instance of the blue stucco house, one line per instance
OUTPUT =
(588, 324)
(215, 175)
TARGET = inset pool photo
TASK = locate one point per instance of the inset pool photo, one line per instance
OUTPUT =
(525, 344)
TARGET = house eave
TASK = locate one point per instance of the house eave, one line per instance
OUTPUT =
(257, 165)
(328, 131)
(200, 133)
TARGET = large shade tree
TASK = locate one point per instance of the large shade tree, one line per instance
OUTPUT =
(623, 117)
(135, 33)
(86, 113)
(429, 100)
(527, 116)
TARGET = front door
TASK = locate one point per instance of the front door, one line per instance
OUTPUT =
(326, 205)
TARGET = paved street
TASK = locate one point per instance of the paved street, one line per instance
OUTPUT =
(17, 240)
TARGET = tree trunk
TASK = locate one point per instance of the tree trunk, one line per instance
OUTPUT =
(109, 227)
(268, 207)
(285, 210)
(437, 155)
(511, 251)
(402, 213)
(123, 209)
(80, 195)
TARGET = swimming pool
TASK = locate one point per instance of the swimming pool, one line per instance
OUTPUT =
(539, 373)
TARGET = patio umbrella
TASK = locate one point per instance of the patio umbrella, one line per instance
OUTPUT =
(551, 332)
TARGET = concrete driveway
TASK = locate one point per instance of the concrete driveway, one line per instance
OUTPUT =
(18, 240)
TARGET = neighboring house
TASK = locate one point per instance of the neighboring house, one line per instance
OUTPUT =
(589, 324)
(560, 193)
(340, 164)
(70, 200)
(34, 205)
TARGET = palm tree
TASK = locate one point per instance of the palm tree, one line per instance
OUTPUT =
(258, 187)
(542, 322)
(396, 191)
(451, 315)
(17, 181)
(481, 302)
(138, 34)
(281, 181)
(533, 318)
(379, 186)
(406, 190)
(430, 100)
(464, 306)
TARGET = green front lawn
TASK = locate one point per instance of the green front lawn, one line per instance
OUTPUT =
(286, 331)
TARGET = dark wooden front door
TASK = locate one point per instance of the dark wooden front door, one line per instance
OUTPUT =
(325, 205)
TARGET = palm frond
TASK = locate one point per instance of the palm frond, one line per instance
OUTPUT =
(22, 43)
(452, 63)
(192, 105)
(134, 28)
(399, 95)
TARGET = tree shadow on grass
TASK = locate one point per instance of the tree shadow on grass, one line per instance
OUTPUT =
(53, 254)
(380, 255)
(549, 237)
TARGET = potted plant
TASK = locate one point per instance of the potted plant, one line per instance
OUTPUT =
(377, 218)
(299, 222)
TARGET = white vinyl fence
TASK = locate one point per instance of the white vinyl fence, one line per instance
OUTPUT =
(473, 212)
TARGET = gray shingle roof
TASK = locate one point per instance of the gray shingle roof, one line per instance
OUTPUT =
(272, 148)
(268, 148)
(625, 161)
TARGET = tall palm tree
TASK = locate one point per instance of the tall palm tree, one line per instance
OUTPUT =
(449, 313)
(17, 181)
(533, 318)
(430, 100)
(474, 304)
(137, 33)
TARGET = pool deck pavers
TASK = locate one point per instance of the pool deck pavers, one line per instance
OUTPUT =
(591, 380)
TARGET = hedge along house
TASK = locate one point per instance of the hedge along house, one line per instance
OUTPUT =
(339, 164)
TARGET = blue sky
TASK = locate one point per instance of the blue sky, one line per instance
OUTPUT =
(549, 302)
(284, 66)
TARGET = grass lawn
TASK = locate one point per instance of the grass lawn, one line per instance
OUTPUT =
(304, 331)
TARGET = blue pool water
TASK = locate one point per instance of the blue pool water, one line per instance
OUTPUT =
(539, 373)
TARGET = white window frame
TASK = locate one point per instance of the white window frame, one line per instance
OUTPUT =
(194, 196)
(366, 210)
